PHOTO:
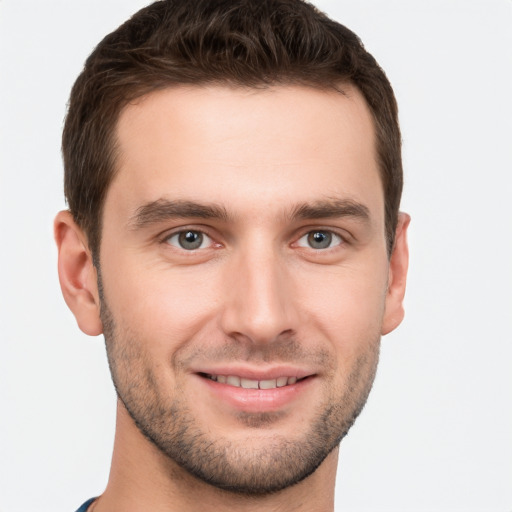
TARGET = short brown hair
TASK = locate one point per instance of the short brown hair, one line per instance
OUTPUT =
(252, 43)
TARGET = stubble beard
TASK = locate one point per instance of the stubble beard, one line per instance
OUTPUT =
(250, 469)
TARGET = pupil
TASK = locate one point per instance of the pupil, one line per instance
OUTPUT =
(191, 239)
(320, 239)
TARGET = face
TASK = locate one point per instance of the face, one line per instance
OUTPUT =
(244, 277)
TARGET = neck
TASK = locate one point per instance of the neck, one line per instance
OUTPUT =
(142, 478)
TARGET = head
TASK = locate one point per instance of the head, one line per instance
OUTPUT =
(233, 175)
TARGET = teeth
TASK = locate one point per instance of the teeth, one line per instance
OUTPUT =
(249, 384)
(282, 381)
(233, 380)
(269, 384)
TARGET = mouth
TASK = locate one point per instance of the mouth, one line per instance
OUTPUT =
(245, 383)
(254, 390)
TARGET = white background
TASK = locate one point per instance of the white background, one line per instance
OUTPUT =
(436, 434)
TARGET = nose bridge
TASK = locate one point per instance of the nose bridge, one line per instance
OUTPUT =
(259, 305)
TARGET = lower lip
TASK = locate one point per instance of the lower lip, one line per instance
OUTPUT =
(257, 400)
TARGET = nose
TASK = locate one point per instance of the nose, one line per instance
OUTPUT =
(260, 304)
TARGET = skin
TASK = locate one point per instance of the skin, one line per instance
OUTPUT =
(275, 166)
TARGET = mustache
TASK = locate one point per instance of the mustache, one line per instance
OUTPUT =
(282, 350)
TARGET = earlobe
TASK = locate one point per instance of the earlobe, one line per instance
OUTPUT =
(398, 266)
(77, 274)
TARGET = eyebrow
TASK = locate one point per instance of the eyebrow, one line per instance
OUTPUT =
(331, 208)
(163, 209)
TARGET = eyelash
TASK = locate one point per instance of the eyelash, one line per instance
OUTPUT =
(204, 235)
(329, 234)
(332, 236)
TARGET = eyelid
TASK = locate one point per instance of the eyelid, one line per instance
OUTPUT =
(204, 230)
(345, 236)
(336, 240)
(205, 242)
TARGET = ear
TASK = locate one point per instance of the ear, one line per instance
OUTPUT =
(77, 274)
(398, 264)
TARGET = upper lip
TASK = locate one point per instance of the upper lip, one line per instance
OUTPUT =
(257, 373)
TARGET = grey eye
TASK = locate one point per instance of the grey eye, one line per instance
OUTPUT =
(320, 239)
(189, 240)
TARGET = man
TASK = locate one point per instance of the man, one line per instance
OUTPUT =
(233, 175)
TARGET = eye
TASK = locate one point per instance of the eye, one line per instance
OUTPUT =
(189, 240)
(320, 239)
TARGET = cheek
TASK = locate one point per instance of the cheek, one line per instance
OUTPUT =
(347, 306)
(167, 305)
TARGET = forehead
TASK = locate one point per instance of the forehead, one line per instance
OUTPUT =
(246, 147)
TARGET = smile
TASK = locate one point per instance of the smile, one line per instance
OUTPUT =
(254, 390)
(241, 382)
